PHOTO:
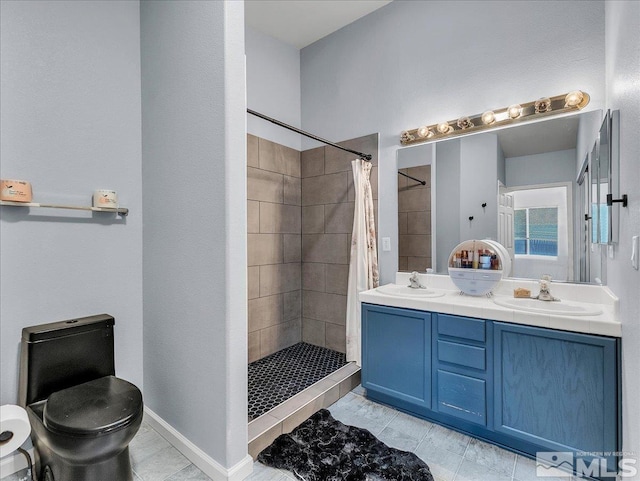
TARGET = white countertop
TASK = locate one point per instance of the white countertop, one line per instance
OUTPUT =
(452, 302)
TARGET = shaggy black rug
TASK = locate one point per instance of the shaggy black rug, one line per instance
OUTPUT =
(324, 449)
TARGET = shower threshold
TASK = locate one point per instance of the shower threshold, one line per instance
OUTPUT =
(306, 379)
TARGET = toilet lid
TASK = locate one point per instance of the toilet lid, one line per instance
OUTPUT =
(94, 407)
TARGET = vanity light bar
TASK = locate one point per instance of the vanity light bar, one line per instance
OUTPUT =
(572, 101)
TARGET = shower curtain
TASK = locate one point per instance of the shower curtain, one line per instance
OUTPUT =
(363, 264)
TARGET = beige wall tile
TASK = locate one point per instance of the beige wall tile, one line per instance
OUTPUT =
(313, 219)
(264, 312)
(419, 264)
(264, 440)
(279, 218)
(278, 337)
(312, 162)
(373, 179)
(324, 189)
(336, 337)
(402, 180)
(419, 222)
(252, 151)
(338, 218)
(413, 199)
(278, 278)
(292, 305)
(402, 263)
(313, 276)
(264, 186)
(338, 160)
(264, 249)
(327, 248)
(253, 217)
(292, 190)
(402, 223)
(324, 307)
(253, 282)
(323, 400)
(415, 245)
(422, 172)
(337, 278)
(313, 332)
(292, 247)
(254, 346)
(279, 158)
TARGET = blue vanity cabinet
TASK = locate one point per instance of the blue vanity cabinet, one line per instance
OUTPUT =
(557, 390)
(396, 350)
(462, 380)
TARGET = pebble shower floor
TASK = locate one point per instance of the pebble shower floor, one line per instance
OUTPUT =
(281, 375)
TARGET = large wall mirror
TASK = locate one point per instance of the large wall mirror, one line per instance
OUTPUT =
(535, 188)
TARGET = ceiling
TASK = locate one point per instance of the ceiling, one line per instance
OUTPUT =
(302, 22)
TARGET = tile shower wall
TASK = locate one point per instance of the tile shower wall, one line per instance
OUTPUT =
(274, 247)
(327, 221)
(414, 220)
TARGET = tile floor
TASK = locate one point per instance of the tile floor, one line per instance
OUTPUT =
(450, 455)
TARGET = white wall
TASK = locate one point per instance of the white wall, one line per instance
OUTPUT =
(414, 63)
(194, 178)
(70, 123)
(623, 93)
(273, 87)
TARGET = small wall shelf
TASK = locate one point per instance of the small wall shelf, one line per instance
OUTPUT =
(123, 211)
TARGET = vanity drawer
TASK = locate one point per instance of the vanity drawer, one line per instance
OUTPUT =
(462, 327)
(462, 354)
(462, 396)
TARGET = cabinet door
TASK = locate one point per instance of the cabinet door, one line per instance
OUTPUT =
(396, 353)
(555, 389)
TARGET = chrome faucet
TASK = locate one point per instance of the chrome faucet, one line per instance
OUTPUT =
(414, 281)
(545, 289)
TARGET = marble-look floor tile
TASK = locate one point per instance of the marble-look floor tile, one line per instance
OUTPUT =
(442, 463)
(493, 457)
(161, 465)
(190, 473)
(365, 414)
(447, 439)
(398, 439)
(265, 473)
(470, 471)
(525, 470)
(145, 444)
(359, 390)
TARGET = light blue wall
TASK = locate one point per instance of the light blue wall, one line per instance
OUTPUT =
(544, 168)
(70, 123)
(623, 93)
(273, 87)
(414, 63)
(194, 178)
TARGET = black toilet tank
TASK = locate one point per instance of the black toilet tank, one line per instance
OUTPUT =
(62, 354)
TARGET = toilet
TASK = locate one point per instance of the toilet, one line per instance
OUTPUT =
(82, 416)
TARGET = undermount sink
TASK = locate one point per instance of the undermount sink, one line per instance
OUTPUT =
(558, 308)
(406, 291)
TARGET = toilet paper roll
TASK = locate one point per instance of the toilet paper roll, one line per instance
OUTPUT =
(14, 428)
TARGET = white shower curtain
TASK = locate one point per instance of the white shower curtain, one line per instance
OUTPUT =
(363, 266)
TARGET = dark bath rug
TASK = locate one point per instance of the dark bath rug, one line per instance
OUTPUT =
(324, 449)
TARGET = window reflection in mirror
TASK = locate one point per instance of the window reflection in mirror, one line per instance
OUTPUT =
(516, 185)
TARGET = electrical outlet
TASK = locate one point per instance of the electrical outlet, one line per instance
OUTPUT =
(386, 244)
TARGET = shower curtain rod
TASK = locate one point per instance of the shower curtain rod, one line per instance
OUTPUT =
(366, 157)
(413, 178)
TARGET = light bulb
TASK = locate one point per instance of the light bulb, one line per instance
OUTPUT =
(444, 128)
(573, 99)
(465, 123)
(424, 131)
(543, 105)
(514, 111)
(488, 117)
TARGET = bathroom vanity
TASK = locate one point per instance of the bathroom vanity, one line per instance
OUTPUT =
(526, 381)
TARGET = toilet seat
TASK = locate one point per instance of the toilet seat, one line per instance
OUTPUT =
(93, 408)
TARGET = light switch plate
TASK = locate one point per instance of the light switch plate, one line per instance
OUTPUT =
(635, 252)
(386, 244)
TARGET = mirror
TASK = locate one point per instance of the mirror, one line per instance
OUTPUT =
(516, 185)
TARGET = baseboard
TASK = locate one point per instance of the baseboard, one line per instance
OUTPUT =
(193, 453)
(13, 463)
